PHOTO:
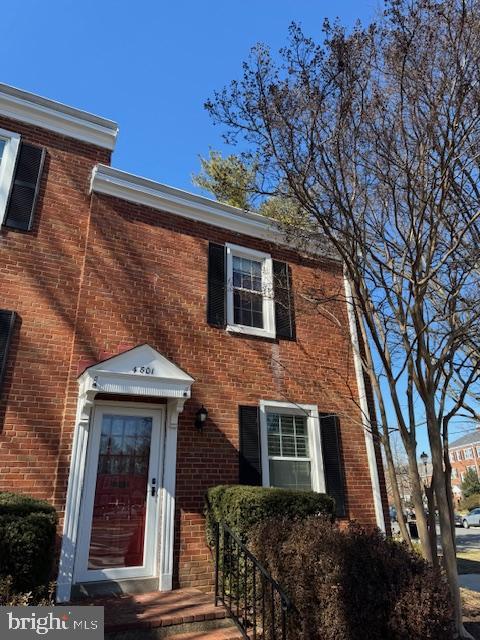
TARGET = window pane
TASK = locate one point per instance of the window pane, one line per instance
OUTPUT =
(274, 445)
(2, 147)
(287, 425)
(247, 274)
(247, 308)
(293, 435)
(291, 474)
(300, 426)
(273, 423)
(288, 446)
(302, 447)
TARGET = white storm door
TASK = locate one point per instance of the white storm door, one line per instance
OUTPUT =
(119, 521)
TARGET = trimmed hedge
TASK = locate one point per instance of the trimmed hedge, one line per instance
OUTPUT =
(472, 502)
(243, 507)
(27, 540)
(352, 584)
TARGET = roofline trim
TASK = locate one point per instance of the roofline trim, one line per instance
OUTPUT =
(42, 112)
(127, 186)
(474, 439)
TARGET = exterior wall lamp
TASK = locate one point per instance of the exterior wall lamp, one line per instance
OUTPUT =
(200, 418)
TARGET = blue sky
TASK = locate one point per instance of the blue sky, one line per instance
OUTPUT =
(151, 64)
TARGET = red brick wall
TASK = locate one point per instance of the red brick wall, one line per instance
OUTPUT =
(39, 278)
(143, 278)
(461, 466)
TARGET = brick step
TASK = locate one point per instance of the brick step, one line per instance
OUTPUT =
(157, 609)
(227, 633)
(221, 629)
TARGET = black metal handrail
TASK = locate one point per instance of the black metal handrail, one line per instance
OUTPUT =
(254, 600)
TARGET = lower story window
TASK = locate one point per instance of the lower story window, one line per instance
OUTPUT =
(288, 452)
(291, 449)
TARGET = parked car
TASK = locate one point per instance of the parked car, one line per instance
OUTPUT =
(472, 519)
(458, 519)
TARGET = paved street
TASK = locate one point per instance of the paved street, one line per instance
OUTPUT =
(468, 539)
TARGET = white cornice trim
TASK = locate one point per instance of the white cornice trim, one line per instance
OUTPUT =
(55, 116)
(127, 186)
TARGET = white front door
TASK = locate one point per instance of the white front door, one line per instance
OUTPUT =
(119, 519)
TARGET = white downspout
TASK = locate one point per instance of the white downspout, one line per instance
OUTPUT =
(372, 461)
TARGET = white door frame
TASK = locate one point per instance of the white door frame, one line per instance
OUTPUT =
(149, 568)
(141, 371)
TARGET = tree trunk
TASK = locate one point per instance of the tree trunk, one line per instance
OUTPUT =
(396, 492)
(417, 499)
(432, 525)
(446, 537)
(448, 479)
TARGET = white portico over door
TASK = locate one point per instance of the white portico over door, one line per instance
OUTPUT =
(121, 484)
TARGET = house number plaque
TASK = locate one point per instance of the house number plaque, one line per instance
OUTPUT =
(146, 371)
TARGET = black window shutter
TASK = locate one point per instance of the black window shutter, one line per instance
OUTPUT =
(216, 306)
(332, 463)
(250, 458)
(25, 187)
(284, 309)
(7, 322)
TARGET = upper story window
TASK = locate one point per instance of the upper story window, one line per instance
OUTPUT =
(249, 293)
(468, 453)
(21, 166)
(9, 144)
(478, 452)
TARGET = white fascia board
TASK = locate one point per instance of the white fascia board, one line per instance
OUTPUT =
(55, 116)
(126, 186)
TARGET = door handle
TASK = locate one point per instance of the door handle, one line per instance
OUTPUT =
(154, 487)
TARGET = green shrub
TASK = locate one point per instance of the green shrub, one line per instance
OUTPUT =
(470, 484)
(27, 541)
(43, 596)
(352, 584)
(471, 502)
(243, 507)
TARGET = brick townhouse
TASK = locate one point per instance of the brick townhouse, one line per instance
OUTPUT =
(464, 455)
(154, 343)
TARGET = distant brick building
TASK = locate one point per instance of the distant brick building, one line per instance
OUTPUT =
(154, 343)
(464, 455)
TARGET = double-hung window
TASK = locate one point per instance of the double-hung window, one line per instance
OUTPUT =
(291, 447)
(250, 300)
(468, 453)
(289, 462)
(9, 144)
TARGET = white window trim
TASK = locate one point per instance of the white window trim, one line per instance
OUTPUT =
(7, 168)
(268, 309)
(314, 439)
(468, 453)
